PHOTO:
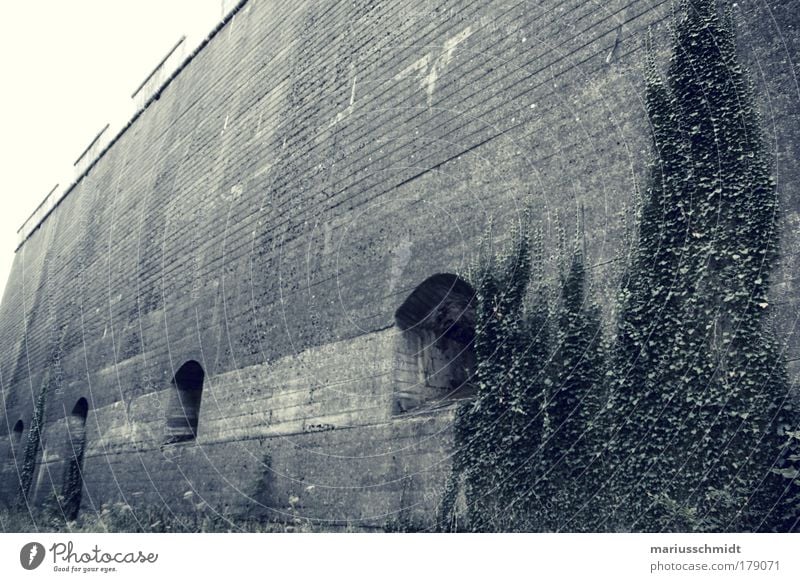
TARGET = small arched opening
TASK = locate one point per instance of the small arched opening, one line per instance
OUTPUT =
(72, 487)
(183, 411)
(16, 438)
(434, 357)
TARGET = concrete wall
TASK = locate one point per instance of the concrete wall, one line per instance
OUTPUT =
(266, 216)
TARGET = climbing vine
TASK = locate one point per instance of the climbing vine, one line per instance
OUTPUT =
(72, 486)
(700, 390)
(498, 434)
(576, 401)
(32, 448)
(524, 443)
(789, 510)
(685, 422)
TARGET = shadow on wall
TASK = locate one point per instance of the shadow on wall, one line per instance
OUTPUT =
(434, 358)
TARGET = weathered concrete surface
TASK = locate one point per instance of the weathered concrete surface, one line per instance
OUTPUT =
(267, 215)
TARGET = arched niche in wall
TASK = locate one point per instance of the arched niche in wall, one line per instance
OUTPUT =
(72, 487)
(434, 359)
(183, 411)
(15, 438)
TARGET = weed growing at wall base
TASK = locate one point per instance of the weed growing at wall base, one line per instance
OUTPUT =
(122, 518)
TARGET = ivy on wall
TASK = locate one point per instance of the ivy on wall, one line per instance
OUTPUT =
(699, 389)
(32, 448)
(499, 432)
(789, 511)
(684, 423)
(577, 398)
(525, 443)
(72, 487)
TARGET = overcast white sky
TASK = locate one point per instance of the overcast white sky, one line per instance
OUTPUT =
(67, 67)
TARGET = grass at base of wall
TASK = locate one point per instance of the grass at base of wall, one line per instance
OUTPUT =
(121, 518)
